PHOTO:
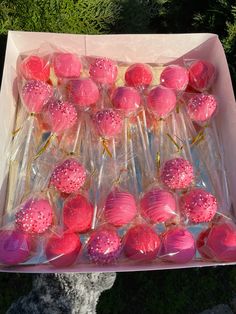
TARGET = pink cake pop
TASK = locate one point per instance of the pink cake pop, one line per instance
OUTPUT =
(178, 245)
(104, 246)
(161, 101)
(158, 205)
(77, 214)
(201, 75)
(103, 70)
(83, 92)
(218, 243)
(126, 99)
(69, 176)
(120, 208)
(15, 247)
(141, 243)
(34, 216)
(198, 205)
(175, 77)
(35, 68)
(138, 75)
(35, 95)
(201, 107)
(66, 65)
(177, 173)
(62, 250)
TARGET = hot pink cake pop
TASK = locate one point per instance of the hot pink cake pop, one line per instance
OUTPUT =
(59, 115)
(15, 247)
(175, 77)
(201, 75)
(141, 243)
(104, 246)
(158, 205)
(62, 250)
(108, 123)
(178, 245)
(77, 214)
(66, 65)
(138, 75)
(35, 68)
(69, 176)
(120, 208)
(177, 173)
(199, 205)
(35, 94)
(34, 216)
(218, 243)
(103, 70)
(201, 107)
(161, 101)
(126, 99)
(83, 92)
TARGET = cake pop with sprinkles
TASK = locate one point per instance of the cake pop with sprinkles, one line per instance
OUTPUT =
(103, 71)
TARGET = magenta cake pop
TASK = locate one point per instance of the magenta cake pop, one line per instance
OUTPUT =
(67, 65)
(83, 92)
(59, 115)
(35, 68)
(69, 176)
(120, 208)
(178, 245)
(158, 205)
(104, 246)
(201, 75)
(175, 77)
(35, 94)
(161, 101)
(127, 99)
(34, 216)
(108, 123)
(201, 107)
(141, 243)
(78, 214)
(138, 75)
(62, 250)
(198, 205)
(103, 70)
(15, 247)
(218, 242)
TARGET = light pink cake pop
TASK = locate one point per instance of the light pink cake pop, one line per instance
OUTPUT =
(178, 245)
(158, 205)
(77, 214)
(35, 68)
(83, 92)
(138, 75)
(175, 77)
(108, 123)
(201, 75)
(120, 208)
(59, 115)
(198, 205)
(62, 250)
(126, 99)
(161, 101)
(201, 107)
(218, 243)
(141, 243)
(103, 70)
(34, 216)
(35, 94)
(104, 246)
(177, 173)
(66, 65)
(69, 176)
(15, 247)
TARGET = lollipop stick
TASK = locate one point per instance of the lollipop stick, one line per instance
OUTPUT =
(185, 136)
(76, 136)
(133, 167)
(126, 143)
(145, 127)
(114, 156)
(146, 155)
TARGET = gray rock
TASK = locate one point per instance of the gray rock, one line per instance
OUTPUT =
(219, 309)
